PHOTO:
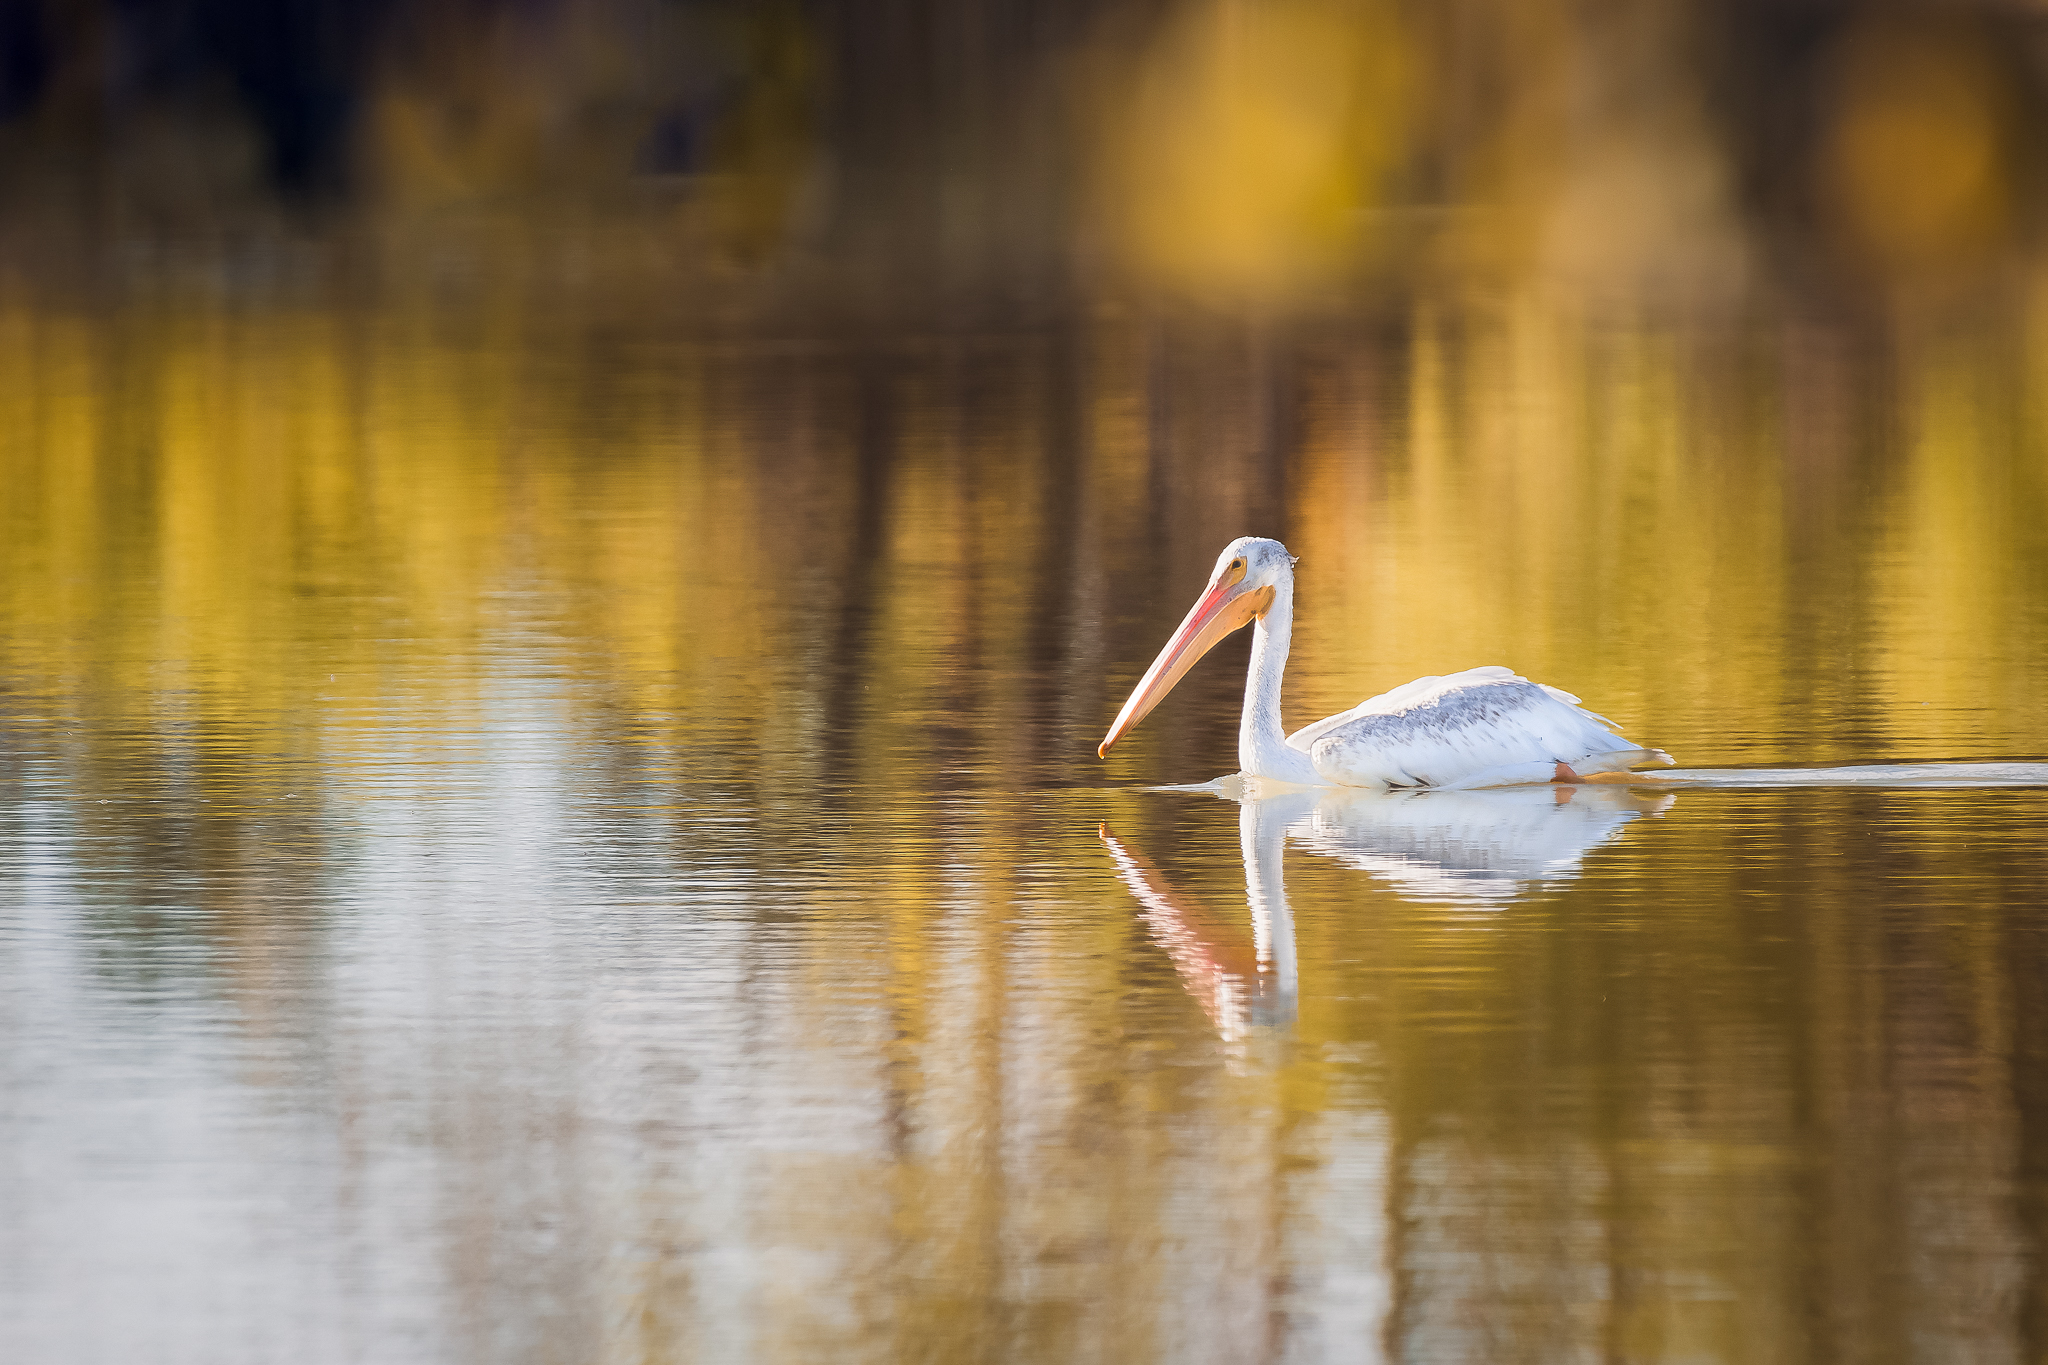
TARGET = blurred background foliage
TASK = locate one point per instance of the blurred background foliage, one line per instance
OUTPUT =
(1025, 154)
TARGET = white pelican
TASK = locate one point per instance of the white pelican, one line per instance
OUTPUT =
(1485, 727)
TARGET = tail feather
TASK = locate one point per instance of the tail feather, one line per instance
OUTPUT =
(1620, 761)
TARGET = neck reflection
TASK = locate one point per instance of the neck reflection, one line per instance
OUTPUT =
(1240, 984)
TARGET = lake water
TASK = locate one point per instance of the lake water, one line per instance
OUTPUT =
(532, 837)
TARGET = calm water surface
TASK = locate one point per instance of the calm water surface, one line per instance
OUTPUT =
(530, 839)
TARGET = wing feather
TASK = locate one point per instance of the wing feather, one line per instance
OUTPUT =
(1482, 727)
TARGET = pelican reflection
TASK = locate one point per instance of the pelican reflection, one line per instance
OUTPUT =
(1475, 848)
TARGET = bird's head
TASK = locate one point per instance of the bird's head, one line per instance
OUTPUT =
(1249, 574)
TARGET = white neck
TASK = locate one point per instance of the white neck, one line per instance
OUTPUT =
(1261, 738)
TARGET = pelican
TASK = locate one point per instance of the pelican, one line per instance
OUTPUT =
(1484, 727)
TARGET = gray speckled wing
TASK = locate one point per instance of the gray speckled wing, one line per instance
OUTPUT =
(1485, 727)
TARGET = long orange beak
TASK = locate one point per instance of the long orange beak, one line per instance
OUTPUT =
(1225, 607)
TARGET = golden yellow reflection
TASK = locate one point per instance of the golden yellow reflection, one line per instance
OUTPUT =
(275, 502)
(715, 720)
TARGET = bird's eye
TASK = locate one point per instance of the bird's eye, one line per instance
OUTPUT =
(1237, 563)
